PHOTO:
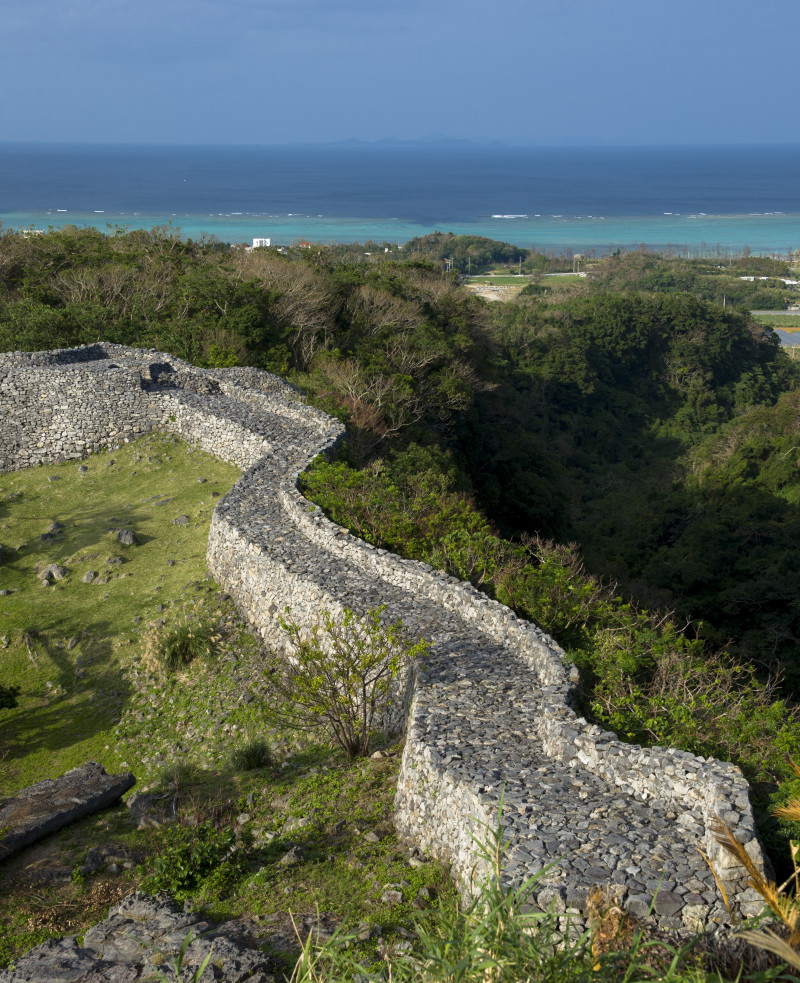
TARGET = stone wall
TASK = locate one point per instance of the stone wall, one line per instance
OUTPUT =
(488, 715)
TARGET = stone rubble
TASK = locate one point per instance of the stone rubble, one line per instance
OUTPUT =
(488, 714)
(140, 938)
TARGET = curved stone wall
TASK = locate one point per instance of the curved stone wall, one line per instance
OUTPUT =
(488, 716)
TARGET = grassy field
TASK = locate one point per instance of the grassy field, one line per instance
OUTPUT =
(500, 280)
(311, 798)
(65, 643)
(786, 322)
(561, 279)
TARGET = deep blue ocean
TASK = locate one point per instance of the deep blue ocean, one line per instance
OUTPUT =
(578, 199)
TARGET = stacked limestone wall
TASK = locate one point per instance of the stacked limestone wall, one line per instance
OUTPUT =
(488, 715)
(59, 410)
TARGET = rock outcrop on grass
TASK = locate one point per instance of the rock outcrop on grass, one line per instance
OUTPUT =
(53, 571)
(141, 937)
(489, 718)
(45, 807)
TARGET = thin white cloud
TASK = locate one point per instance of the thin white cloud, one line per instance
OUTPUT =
(169, 31)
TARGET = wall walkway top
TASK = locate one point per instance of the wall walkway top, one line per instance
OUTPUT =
(489, 714)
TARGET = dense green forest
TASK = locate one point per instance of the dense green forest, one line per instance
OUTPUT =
(617, 459)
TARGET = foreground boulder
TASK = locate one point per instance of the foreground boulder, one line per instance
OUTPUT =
(140, 934)
(48, 805)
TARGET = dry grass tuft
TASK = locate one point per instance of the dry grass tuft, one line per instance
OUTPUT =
(612, 928)
(783, 900)
(193, 634)
(71, 914)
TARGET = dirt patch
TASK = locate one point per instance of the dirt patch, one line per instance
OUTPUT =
(496, 293)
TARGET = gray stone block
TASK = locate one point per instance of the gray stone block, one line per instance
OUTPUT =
(45, 807)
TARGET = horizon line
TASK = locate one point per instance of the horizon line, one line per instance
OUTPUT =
(454, 143)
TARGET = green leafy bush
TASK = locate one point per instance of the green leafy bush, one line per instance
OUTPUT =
(406, 502)
(8, 697)
(340, 675)
(553, 590)
(475, 556)
(193, 856)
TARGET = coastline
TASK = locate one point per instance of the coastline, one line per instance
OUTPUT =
(768, 233)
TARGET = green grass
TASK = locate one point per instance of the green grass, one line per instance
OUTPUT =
(255, 754)
(65, 644)
(500, 280)
(787, 322)
(343, 874)
(188, 638)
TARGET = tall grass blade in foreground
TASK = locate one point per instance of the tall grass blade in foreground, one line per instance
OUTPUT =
(783, 900)
(502, 937)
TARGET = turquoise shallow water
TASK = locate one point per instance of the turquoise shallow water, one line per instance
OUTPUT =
(761, 233)
(580, 200)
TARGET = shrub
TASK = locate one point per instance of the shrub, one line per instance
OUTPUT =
(476, 556)
(189, 856)
(340, 675)
(175, 775)
(177, 645)
(554, 590)
(251, 756)
(653, 685)
(8, 697)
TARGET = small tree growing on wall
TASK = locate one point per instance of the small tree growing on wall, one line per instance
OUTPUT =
(339, 675)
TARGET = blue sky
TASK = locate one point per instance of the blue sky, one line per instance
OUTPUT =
(552, 72)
